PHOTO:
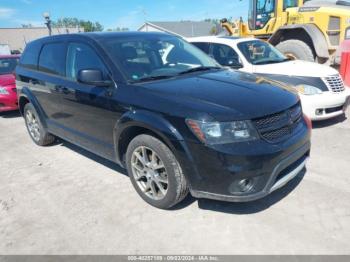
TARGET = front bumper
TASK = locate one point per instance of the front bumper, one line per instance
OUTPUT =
(269, 166)
(328, 104)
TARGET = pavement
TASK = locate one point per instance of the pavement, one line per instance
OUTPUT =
(64, 200)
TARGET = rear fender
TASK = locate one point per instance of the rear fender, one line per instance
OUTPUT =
(27, 94)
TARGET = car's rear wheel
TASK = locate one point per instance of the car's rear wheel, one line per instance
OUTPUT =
(35, 128)
(155, 173)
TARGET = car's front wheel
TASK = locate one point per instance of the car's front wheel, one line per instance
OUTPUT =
(35, 128)
(155, 173)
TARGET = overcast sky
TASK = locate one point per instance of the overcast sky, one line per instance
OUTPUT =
(118, 13)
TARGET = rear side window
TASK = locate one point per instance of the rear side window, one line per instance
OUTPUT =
(29, 58)
(80, 57)
(52, 59)
(203, 46)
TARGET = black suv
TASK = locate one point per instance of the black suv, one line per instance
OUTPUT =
(165, 111)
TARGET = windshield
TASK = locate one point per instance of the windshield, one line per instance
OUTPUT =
(259, 52)
(8, 65)
(325, 1)
(154, 57)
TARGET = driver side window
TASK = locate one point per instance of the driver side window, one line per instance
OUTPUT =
(264, 11)
(265, 6)
(81, 56)
(225, 55)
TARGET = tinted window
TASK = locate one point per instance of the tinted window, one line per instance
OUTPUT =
(7, 65)
(203, 46)
(52, 59)
(142, 58)
(30, 55)
(225, 55)
(81, 56)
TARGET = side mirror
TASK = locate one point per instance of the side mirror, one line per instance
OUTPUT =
(235, 64)
(93, 77)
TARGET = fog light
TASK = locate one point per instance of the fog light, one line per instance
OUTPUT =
(245, 185)
(319, 112)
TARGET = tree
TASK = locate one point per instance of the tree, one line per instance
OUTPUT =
(118, 29)
(26, 25)
(88, 25)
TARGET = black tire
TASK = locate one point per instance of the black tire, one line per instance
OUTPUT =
(44, 138)
(297, 49)
(177, 188)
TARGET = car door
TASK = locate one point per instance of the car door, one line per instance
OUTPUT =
(88, 119)
(44, 81)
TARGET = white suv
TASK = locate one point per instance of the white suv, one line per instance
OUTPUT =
(322, 91)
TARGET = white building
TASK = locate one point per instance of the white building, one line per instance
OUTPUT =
(182, 28)
(17, 38)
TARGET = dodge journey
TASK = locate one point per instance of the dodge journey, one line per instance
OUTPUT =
(165, 111)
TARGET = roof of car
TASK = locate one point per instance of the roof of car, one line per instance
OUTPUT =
(102, 35)
(220, 39)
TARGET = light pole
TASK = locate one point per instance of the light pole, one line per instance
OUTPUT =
(46, 15)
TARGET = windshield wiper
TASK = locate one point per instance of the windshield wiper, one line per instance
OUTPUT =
(269, 62)
(151, 78)
(200, 68)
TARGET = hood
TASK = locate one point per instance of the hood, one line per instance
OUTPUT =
(296, 68)
(6, 80)
(234, 94)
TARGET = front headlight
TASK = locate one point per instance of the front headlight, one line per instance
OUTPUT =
(213, 133)
(3, 91)
(308, 90)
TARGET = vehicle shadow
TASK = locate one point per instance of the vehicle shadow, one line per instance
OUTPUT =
(10, 114)
(329, 122)
(107, 163)
(255, 206)
(205, 204)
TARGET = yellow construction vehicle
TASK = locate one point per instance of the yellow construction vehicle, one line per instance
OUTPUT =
(310, 30)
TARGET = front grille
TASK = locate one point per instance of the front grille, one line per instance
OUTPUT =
(334, 109)
(334, 83)
(277, 127)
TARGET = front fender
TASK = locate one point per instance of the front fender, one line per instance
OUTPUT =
(162, 128)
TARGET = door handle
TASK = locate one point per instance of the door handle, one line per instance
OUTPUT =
(65, 90)
(62, 89)
(33, 81)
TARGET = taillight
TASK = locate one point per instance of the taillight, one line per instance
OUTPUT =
(308, 122)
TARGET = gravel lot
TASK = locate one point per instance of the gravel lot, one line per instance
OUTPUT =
(64, 200)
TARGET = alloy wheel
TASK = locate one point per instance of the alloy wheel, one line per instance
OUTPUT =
(33, 125)
(149, 173)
